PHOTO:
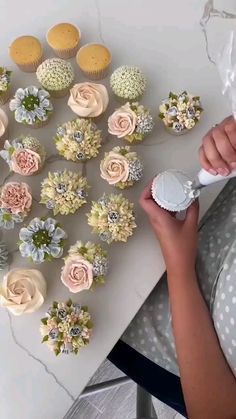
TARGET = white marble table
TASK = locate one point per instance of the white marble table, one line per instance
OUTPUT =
(167, 41)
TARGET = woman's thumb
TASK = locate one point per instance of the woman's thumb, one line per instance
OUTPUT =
(192, 213)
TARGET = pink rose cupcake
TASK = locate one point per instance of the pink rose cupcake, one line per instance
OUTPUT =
(15, 203)
(24, 156)
(88, 100)
(131, 122)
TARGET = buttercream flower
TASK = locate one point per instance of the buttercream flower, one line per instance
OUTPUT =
(77, 273)
(78, 140)
(122, 122)
(3, 123)
(114, 168)
(31, 106)
(64, 192)
(121, 167)
(112, 218)
(23, 291)
(180, 113)
(26, 162)
(8, 220)
(88, 99)
(16, 197)
(5, 76)
(56, 76)
(131, 121)
(24, 155)
(128, 82)
(42, 240)
(66, 330)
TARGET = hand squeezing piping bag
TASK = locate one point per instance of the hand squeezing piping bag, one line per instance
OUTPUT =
(174, 190)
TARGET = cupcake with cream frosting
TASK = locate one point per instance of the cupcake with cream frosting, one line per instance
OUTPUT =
(56, 76)
(121, 167)
(128, 83)
(3, 125)
(88, 100)
(5, 87)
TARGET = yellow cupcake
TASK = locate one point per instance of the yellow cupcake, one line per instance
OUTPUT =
(27, 53)
(64, 38)
(94, 60)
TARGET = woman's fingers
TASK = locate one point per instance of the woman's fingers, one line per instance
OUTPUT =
(205, 164)
(212, 154)
(224, 146)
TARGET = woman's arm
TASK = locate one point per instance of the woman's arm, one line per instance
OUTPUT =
(209, 386)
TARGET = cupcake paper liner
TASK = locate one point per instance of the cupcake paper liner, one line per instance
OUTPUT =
(32, 67)
(59, 93)
(66, 53)
(5, 96)
(96, 75)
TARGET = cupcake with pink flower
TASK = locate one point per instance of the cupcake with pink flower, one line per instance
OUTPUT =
(132, 122)
(24, 156)
(15, 203)
(85, 266)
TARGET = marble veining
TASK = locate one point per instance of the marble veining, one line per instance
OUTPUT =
(209, 12)
(47, 370)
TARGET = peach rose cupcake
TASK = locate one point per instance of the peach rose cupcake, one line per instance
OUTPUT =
(88, 100)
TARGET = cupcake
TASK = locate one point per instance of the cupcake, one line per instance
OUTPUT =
(128, 83)
(23, 291)
(4, 256)
(4, 85)
(42, 240)
(85, 266)
(180, 113)
(56, 76)
(66, 328)
(3, 126)
(64, 192)
(78, 140)
(131, 122)
(112, 218)
(121, 167)
(27, 53)
(24, 156)
(16, 199)
(64, 39)
(94, 61)
(88, 100)
(31, 106)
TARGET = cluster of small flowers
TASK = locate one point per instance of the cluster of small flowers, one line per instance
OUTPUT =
(180, 112)
(4, 79)
(66, 328)
(55, 74)
(128, 82)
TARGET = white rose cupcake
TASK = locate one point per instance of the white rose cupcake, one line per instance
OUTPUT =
(3, 125)
(121, 167)
(88, 100)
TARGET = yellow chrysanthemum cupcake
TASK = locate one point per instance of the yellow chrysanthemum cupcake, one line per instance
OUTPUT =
(94, 60)
(27, 53)
(64, 39)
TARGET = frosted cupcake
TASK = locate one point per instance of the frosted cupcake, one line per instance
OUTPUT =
(94, 61)
(5, 86)
(112, 218)
(24, 156)
(180, 113)
(15, 204)
(3, 126)
(132, 122)
(88, 100)
(64, 192)
(66, 328)
(31, 106)
(78, 140)
(27, 53)
(64, 39)
(56, 76)
(85, 266)
(42, 240)
(121, 167)
(128, 83)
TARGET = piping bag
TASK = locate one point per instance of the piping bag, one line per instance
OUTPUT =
(175, 190)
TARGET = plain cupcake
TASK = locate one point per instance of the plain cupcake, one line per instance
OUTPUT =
(5, 87)
(3, 126)
(88, 100)
(94, 61)
(27, 53)
(56, 76)
(64, 39)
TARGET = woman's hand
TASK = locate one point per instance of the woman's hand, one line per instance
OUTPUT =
(218, 151)
(178, 239)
